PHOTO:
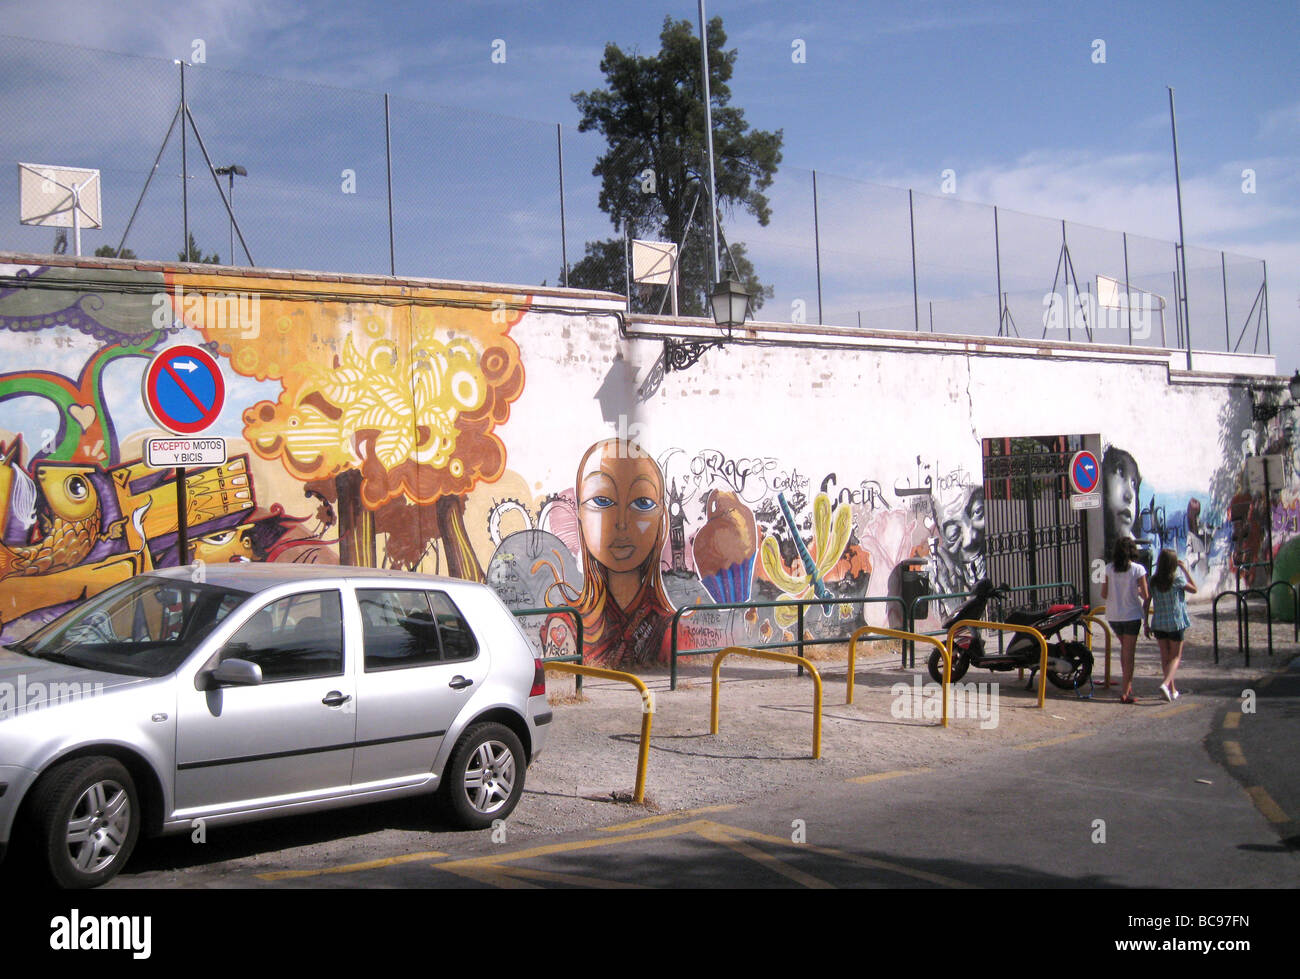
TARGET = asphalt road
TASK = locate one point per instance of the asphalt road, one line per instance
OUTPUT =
(1174, 796)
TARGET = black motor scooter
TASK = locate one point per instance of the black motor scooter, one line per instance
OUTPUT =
(1069, 662)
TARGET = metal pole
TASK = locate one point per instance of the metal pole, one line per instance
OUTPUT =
(1128, 292)
(817, 249)
(1065, 258)
(1227, 330)
(76, 219)
(216, 181)
(997, 257)
(185, 191)
(1268, 340)
(388, 159)
(231, 182)
(564, 251)
(1182, 241)
(708, 126)
(182, 529)
(916, 306)
(147, 180)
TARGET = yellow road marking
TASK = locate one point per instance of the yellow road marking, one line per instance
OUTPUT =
(881, 776)
(1232, 751)
(1231, 720)
(490, 875)
(550, 848)
(1050, 741)
(851, 858)
(351, 868)
(1265, 804)
(716, 833)
(1171, 711)
(497, 869)
(662, 818)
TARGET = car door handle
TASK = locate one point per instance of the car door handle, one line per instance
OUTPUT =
(336, 698)
(458, 682)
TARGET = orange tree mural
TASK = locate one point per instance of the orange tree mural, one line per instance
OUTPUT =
(387, 407)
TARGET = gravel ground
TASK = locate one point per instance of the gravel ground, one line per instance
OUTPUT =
(586, 774)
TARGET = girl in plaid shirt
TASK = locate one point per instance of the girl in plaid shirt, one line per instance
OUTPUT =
(1169, 587)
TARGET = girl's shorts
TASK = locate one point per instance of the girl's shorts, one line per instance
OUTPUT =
(1131, 628)
(1171, 636)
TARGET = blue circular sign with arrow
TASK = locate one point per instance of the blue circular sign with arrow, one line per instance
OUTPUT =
(1085, 472)
(184, 391)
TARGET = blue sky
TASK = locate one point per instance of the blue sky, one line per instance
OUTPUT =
(1008, 98)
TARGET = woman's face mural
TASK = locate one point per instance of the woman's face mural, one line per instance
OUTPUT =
(1121, 482)
(620, 506)
(623, 525)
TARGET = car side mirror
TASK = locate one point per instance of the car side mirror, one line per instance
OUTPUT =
(236, 673)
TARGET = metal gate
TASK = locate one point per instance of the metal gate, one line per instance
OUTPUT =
(1032, 535)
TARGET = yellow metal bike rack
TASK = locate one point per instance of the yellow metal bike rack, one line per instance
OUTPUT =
(899, 634)
(780, 657)
(1009, 627)
(647, 712)
(1094, 618)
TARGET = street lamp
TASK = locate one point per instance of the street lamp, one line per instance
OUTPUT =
(1266, 412)
(730, 302)
(231, 172)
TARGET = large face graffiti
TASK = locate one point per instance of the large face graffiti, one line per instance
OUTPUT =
(1121, 483)
(959, 550)
(622, 526)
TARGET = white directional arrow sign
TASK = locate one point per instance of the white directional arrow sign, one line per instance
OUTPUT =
(185, 365)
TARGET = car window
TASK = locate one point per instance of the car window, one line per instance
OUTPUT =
(293, 638)
(397, 629)
(410, 627)
(458, 641)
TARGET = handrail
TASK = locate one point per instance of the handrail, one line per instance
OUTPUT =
(899, 634)
(647, 711)
(782, 657)
(800, 641)
(1010, 627)
(577, 633)
(1244, 645)
(1094, 617)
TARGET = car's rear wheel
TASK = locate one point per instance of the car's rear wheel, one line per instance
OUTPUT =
(485, 776)
(87, 816)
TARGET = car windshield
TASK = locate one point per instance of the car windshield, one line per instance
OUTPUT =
(143, 627)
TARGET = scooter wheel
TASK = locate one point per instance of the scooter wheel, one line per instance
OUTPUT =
(1075, 653)
(960, 663)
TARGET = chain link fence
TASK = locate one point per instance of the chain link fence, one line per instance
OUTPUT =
(489, 198)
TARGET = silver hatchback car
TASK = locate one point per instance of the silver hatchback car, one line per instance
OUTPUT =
(166, 703)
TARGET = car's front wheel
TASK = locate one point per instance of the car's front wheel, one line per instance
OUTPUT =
(485, 776)
(87, 814)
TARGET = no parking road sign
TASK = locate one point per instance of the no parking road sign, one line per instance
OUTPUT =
(1085, 472)
(184, 390)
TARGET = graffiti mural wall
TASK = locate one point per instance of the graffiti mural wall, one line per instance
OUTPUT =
(452, 430)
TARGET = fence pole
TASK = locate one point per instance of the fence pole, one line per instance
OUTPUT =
(388, 160)
(911, 223)
(185, 190)
(1227, 329)
(997, 258)
(1128, 292)
(1268, 341)
(564, 250)
(817, 249)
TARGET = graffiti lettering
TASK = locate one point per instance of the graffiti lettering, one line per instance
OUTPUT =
(869, 493)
